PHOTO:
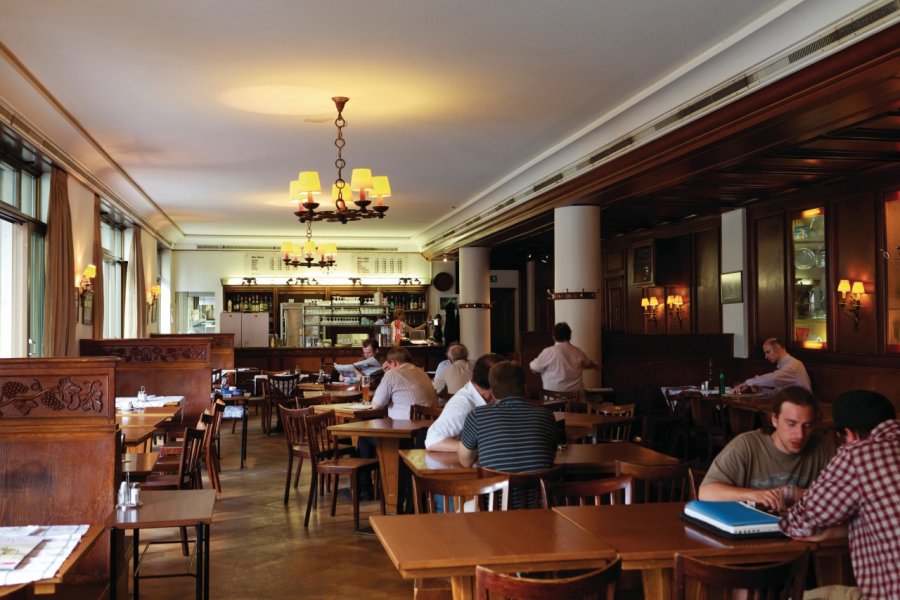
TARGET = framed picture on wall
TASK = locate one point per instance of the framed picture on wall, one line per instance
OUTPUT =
(732, 285)
(445, 300)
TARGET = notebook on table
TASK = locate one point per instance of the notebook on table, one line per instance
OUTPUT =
(733, 519)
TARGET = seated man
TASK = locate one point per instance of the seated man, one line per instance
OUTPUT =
(561, 364)
(403, 385)
(511, 434)
(859, 489)
(443, 435)
(457, 374)
(369, 365)
(788, 372)
(756, 465)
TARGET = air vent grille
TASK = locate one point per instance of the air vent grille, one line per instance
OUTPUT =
(845, 31)
(547, 182)
(610, 150)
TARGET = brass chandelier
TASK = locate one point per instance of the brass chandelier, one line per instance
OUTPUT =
(307, 185)
(308, 254)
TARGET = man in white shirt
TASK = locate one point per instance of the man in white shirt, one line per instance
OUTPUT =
(789, 372)
(443, 435)
(403, 385)
(457, 374)
(561, 364)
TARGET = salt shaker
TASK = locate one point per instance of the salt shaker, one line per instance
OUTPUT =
(142, 394)
(134, 495)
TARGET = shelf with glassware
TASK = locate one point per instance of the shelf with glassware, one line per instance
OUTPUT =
(810, 300)
(337, 323)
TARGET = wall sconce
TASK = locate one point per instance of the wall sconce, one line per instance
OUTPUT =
(853, 304)
(87, 280)
(153, 295)
(674, 305)
(650, 306)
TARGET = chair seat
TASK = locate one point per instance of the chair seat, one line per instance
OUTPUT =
(345, 465)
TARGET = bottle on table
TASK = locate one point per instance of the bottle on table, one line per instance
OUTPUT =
(721, 383)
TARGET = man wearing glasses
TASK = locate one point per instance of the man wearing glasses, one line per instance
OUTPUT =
(858, 491)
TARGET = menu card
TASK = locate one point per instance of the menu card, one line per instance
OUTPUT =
(50, 546)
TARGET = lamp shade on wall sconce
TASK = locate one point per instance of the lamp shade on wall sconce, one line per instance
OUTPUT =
(87, 279)
(853, 304)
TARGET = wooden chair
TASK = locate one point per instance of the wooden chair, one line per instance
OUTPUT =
(695, 476)
(599, 584)
(326, 461)
(614, 433)
(657, 483)
(561, 401)
(707, 422)
(525, 488)
(295, 436)
(489, 493)
(371, 413)
(779, 580)
(594, 492)
(664, 432)
(419, 412)
(280, 390)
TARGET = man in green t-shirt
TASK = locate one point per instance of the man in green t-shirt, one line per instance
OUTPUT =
(765, 467)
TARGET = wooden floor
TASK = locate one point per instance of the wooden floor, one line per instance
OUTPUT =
(260, 548)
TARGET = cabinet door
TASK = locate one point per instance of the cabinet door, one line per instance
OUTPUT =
(810, 280)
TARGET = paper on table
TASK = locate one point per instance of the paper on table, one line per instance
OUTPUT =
(13, 550)
(58, 543)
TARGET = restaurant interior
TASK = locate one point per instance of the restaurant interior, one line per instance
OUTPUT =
(169, 293)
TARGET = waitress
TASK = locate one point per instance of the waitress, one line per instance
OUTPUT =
(399, 327)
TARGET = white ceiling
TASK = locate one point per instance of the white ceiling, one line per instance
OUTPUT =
(452, 100)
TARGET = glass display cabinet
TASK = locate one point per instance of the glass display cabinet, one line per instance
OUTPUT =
(810, 285)
(892, 270)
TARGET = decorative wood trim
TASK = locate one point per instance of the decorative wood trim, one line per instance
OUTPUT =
(159, 350)
(485, 305)
(23, 395)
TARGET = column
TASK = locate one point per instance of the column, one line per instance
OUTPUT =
(474, 300)
(578, 278)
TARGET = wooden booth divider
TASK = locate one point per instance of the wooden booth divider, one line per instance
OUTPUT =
(222, 353)
(173, 366)
(58, 461)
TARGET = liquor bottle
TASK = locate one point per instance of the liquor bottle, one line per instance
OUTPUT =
(721, 383)
(245, 303)
(265, 305)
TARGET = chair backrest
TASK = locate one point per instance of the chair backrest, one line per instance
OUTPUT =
(593, 492)
(294, 426)
(489, 493)
(192, 451)
(562, 401)
(706, 413)
(218, 409)
(599, 584)
(657, 483)
(525, 488)
(371, 413)
(318, 439)
(281, 387)
(420, 412)
(695, 476)
(614, 433)
(773, 581)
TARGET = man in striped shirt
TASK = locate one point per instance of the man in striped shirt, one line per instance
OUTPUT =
(511, 434)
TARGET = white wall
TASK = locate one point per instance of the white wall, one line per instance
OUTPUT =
(734, 258)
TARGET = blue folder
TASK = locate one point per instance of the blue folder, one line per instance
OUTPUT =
(733, 519)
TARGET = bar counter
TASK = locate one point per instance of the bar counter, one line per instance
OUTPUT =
(313, 359)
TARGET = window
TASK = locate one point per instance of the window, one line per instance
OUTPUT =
(112, 242)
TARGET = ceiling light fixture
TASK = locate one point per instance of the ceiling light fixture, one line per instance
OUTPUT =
(307, 185)
(308, 254)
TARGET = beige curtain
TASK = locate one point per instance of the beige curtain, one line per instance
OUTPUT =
(98, 280)
(136, 289)
(60, 295)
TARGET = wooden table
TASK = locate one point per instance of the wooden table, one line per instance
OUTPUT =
(139, 425)
(647, 536)
(138, 465)
(343, 411)
(578, 458)
(451, 545)
(175, 508)
(387, 434)
(48, 586)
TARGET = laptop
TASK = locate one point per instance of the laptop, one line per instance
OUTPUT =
(733, 519)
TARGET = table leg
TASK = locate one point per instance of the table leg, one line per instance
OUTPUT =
(206, 534)
(244, 435)
(657, 583)
(135, 559)
(463, 587)
(199, 550)
(388, 450)
(112, 563)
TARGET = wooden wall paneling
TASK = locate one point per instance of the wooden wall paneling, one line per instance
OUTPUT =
(853, 257)
(705, 301)
(634, 316)
(614, 302)
(770, 282)
(176, 366)
(58, 459)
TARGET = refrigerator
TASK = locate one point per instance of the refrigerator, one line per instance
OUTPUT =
(251, 330)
